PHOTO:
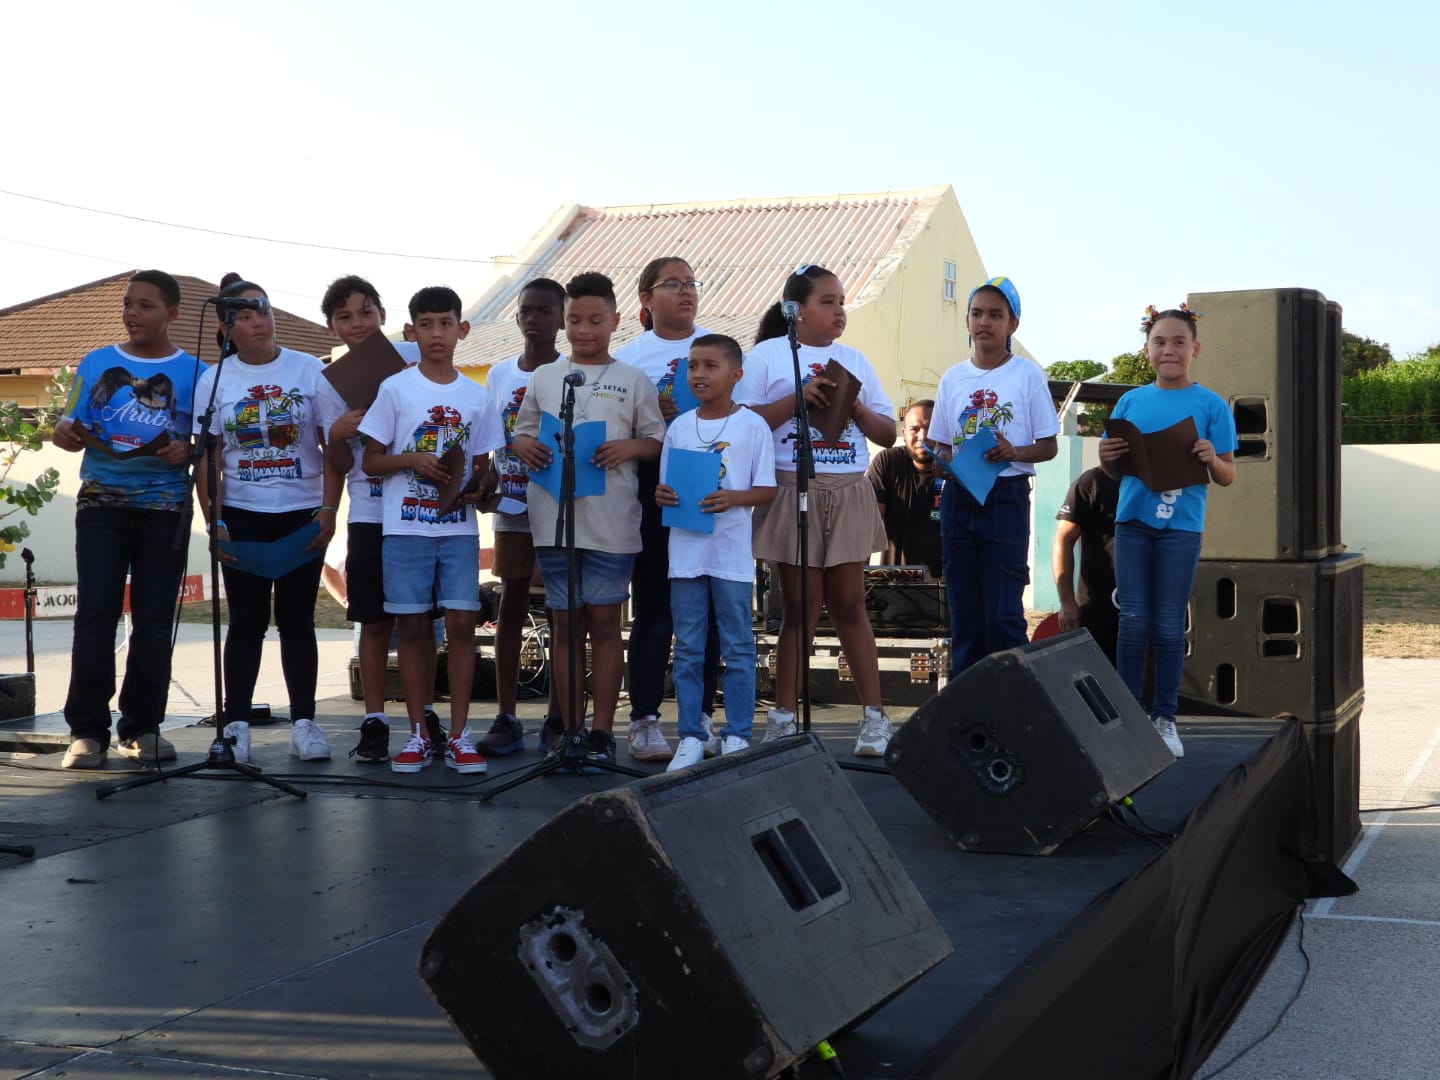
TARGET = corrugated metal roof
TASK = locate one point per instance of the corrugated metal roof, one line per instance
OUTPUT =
(741, 250)
(54, 331)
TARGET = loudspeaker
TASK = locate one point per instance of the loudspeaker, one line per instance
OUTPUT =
(1274, 355)
(1025, 748)
(1275, 637)
(1333, 743)
(719, 922)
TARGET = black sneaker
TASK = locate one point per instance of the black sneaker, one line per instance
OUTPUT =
(552, 734)
(600, 747)
(506, 736)
(374, 744)
(434, 730)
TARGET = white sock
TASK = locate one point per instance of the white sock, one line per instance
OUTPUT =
(377, 716)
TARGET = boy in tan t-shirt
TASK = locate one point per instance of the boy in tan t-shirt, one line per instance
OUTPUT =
(607, 526)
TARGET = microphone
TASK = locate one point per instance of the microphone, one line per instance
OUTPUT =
(790, 309)
(574, 378)
(257, 303)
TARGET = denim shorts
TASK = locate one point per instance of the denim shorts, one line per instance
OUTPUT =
(426, 572)
(604, 578)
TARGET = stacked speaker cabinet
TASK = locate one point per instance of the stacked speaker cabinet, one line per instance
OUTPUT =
(1273, 354)
(1026, 747)
(1276, 613)
(720, 922)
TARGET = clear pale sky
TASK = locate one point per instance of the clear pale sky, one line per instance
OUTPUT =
(1105, 156)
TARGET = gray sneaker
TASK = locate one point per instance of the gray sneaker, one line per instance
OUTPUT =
(148, 749)
(778, 725)
(646, 742)
(1165, 728)
(84, 754)
(875, 732)
(506, 735)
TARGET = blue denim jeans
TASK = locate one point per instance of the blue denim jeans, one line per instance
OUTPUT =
(109, 543)
(985, 551)
(694, 603)
(650, 624)
(1154, 572)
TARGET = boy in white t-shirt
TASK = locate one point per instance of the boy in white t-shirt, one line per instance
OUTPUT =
(540, 309)
(432, 558)
(985, 548)
(715, 570)
(353, 311)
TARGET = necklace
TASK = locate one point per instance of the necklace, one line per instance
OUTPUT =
(582, 412)
(723, 425)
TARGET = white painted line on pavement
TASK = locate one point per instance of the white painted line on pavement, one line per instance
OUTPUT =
(1373, 919)
(1372, 831)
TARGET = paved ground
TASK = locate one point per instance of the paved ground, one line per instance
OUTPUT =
(1366, 1008)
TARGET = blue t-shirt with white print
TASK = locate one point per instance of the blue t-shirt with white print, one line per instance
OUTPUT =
(1151, 408)
(127, 401)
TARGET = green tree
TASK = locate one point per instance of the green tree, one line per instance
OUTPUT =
(1074, 370)
(1359, 354)
(1130, 368)
(18, 434)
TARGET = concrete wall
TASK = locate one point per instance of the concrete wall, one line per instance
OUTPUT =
(1390, 509)
(1389, 506)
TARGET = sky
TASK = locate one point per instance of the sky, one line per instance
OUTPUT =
(1106, 157)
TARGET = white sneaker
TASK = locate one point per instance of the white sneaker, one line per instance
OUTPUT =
(733, 744)
(308, 742)
(778, 725)
(1165, 728)
(84, 754)
(646, 742)
(690, 752)
(710, 739)
(238, 732)
(875, 732)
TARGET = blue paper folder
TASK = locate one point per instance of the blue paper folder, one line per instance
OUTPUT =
(276, 558)
(693, 474)
(589, 477)
(969, 467)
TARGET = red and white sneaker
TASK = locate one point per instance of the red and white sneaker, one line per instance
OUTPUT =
(414, 757)
(461, 755)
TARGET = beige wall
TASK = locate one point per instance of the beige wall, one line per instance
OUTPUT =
(907, 329)
(1390, 503)
(25, 389)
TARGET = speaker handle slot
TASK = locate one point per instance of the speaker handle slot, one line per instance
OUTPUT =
(795, 861)
(1100, 706)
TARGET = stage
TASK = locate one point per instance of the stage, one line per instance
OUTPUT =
(207, 925)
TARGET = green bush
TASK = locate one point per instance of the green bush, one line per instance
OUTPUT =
(1395, 403)
(19, 434)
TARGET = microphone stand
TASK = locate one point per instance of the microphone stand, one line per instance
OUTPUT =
(222, 750)
(804, 470)
(569, 756)
(28, 557)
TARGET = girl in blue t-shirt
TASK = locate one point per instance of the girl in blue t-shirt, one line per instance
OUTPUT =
(1157, 533)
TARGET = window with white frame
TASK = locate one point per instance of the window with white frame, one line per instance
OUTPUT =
(947, 288)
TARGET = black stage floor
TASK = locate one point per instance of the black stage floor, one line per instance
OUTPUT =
(203, 926)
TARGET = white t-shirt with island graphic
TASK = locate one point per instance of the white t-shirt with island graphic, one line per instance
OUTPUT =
(1013, 398)
(268, 430)
(770, 376)
(507, 383)
(414, 414)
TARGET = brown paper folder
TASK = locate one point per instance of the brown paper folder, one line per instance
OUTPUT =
(358, 374)
(1162, 460)
(448, 493)
(832, 420)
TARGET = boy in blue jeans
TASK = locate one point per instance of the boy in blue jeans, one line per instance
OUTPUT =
(431, 558)
(607, 526)
(715, 570)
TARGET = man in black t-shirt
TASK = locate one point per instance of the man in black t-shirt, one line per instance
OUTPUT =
(909, 494)
(1088, 515)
